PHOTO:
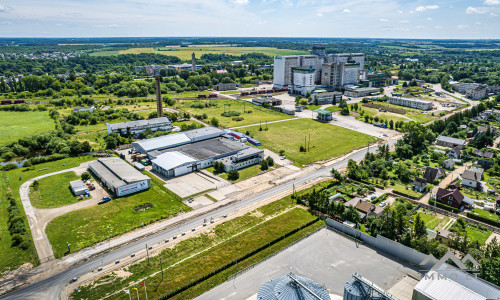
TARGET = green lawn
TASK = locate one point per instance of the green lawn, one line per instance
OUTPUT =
(486, 214)
(99, 126)
(429, 220)
(258, 114)
(15, 125)
(412, 116)
(327, 140)
(244, 173)
(230, 92)
(54, 191)
(409, 191)
(91, 225)
(223, 252)
(478, 235)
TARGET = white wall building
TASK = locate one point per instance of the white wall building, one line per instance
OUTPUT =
(303, 81)
(135, 127)
(413, 103)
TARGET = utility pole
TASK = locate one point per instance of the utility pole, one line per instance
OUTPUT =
(147, 252)
(161, 267)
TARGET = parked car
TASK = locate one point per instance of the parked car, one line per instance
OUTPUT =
(382, 204)
(74, 279)
(104, 200)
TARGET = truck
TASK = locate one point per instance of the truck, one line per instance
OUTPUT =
(104, 200)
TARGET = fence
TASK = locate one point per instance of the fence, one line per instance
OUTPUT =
(426, 261)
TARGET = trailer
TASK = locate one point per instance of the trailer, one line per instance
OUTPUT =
(254, 142)
(237, 135)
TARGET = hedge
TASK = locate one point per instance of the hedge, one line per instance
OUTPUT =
(443, 206)
(406, 195)
(483, 219)
(231, 263)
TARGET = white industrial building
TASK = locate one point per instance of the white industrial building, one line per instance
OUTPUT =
(135, 127)
(78, 188)
(119, 176)
(304, 81)
(181, 153)
(449, 283)
(332, 70)
(409, 102)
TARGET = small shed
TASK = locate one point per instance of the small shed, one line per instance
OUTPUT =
(78, 188)
(139, 166)
(324, 115)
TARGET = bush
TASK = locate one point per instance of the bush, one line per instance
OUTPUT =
(443, 206)
(9, 167)
(237, 119)
(483, 219)
(230, 113)
(302, 149)
(85, 176)
(16, 240)
(233, 175)
(24, 245)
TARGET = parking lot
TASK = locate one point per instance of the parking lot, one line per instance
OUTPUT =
(328, 258)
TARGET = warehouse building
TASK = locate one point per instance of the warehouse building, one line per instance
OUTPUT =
(409, 102)
(450, 142)
(135, 127)
(78, 188)
(119, 176)
(181, 153)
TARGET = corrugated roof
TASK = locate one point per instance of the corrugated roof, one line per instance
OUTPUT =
(116, 172)
(173, 159)
(77, 185)
(139, 123)
(451, 140)
(200, 132)
(165, 141)
(444, 289)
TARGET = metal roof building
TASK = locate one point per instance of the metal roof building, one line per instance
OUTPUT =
(119, 176)
(450, 283)
(134, 127)
(78, 187)
(292, 287)
(177, 139)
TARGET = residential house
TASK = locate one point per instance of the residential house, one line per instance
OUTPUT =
(483, 154)
(444, 236)
(472, 177)
(454, 185)
(419, 185)
(451, 198)
(449, 164)
(432, 174)
(365, 208)
(483, 129)
(455, 153)
(450, 142)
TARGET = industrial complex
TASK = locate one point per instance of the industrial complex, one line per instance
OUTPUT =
(181, 153)
(136, 127)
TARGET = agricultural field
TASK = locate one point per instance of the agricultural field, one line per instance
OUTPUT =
(251, 114)
(226, 247)
(184, 53)
(94, 224)
(53, 191)
(15, 124)
(326, 140)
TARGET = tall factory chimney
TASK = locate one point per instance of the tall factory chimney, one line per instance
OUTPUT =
(193, 62)
(159, 107)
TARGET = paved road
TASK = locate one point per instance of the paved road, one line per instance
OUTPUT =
(51, 287)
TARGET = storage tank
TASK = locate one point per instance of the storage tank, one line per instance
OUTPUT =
(353, 290)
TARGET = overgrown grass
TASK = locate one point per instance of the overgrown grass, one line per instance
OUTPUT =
(244, 173)
(94, 224)
(54, 191)
(16, 124)
(326, 140)
(220, 254)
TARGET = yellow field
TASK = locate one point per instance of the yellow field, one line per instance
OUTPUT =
(184, 53)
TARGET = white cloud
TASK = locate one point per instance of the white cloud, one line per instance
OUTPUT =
(478, 23)
(4, 8)
(462, 26)
(420, 27)
(384, 20)
(106, 26)
(400, 11)
(346, 11)
(428, 7)
(319, 14)
(429, 19)
(403, 21)
(241, 1)
(6, 23)
(491, 2)
(438, 27)
(268, 11)
(478, 10)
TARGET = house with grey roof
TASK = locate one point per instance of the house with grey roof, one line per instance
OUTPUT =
(450, 142)
(472, 177)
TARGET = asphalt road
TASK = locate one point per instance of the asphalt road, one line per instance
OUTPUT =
(51, 287)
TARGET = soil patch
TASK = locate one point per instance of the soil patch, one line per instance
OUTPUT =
(143, 207)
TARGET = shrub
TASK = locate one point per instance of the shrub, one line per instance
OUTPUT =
(9, 167)
(24, 245)
(230, 113)
(85, 176)
(233, 175)
(16, 240)
(237, 119)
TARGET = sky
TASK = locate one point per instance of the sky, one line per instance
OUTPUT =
(417, 19)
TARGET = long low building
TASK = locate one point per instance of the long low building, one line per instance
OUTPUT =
(409, 102)
(136, 127)
(119, 176)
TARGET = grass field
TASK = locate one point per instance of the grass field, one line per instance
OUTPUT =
(412, 116)
(430, 221)
(54, 191)
(244, 173)
(184, 53)
(327, 140)
(15, 125)
(258, 114)
(226, 248)
(91, 225)
(409, 191)
(478, 235)
(486, 214)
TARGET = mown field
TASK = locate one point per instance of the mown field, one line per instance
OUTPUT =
(94, 224)
(326, 140)
(251, 114)
(184, 53)
(54, 191)
(15, 125)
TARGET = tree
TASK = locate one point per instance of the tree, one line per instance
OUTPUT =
(281, 152)
(214, 122)
(336, 174)
(85, 176)
(419, 227)
(270, 161)
(405, 84)
(263, 165)
(351, 214)
(35, 185)
(233, 175)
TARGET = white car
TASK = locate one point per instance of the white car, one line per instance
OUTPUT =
(382, 204)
